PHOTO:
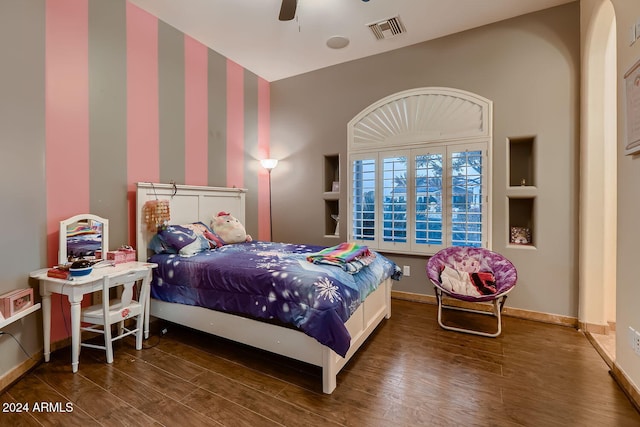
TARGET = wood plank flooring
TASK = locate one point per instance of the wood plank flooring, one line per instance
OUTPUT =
(411, 372)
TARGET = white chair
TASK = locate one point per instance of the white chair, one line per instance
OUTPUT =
(117, 310)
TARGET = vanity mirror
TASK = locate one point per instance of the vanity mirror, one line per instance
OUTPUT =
(81, 236)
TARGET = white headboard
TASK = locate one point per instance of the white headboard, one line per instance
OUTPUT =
(187, 203)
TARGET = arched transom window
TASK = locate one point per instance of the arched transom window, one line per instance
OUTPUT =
(419, 171)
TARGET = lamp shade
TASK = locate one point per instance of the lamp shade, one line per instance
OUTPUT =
(269, 163)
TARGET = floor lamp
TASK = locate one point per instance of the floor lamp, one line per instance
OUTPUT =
(269, 164)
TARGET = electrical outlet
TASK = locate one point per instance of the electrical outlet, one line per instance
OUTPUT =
(631, 337)
(406, 270)
(636, 343)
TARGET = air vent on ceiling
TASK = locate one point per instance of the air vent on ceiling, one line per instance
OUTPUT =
(387, 28)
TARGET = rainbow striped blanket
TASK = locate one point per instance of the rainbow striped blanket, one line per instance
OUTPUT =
(350, 257)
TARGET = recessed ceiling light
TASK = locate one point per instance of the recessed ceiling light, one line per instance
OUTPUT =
(337, 42)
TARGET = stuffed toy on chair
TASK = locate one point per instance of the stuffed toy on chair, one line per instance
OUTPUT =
(229, 228)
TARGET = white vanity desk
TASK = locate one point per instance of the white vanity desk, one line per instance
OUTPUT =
(75, 289)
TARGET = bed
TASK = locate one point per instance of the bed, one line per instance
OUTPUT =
(187, 290)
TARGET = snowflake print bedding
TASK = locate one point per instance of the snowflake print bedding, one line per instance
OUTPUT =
(272, 281)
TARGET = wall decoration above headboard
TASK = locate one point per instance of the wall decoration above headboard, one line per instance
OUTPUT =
(187, 203)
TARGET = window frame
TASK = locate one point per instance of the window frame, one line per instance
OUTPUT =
(411, 152)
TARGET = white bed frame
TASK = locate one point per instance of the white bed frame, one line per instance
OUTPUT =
(194, 203)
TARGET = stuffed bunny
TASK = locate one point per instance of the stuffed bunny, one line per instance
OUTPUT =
(229, 228)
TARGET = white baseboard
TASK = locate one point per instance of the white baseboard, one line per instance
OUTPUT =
(507, 311)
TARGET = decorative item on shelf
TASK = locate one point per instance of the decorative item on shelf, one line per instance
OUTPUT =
(520, 236)
(523, 182)
(336, 218)
(335, 186)
(15, 301)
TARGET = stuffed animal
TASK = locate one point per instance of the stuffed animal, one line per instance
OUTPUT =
(229, 228)
(468, 265)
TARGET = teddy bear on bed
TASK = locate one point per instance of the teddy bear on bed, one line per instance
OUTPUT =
(229, 228)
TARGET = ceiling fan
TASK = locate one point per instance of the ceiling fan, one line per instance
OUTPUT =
(288, 10)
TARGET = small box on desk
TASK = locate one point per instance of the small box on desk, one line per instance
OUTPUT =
(15, 301)
(129, 254)
(119, 256)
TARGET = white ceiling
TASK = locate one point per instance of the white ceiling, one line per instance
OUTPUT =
(249, 33)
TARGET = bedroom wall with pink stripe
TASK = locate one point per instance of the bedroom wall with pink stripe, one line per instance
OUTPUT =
(66, 124)
(143, 150)
(71, 119)
(66, 114)
(235, 125)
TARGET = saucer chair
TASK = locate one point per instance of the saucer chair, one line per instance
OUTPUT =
(474, 260)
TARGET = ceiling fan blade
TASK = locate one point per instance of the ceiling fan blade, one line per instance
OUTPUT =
(288, 10)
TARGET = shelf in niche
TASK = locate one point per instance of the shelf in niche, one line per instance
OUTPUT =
(515, 246)
(331, 195)
(522, 191)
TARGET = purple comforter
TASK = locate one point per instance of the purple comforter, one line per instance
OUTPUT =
(275, 281)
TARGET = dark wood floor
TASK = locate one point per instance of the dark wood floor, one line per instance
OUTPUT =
(409, 373)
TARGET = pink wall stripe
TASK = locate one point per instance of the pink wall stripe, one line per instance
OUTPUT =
(235, 125)
(66, 124)
(196, 112)
(264, 131)
(143, 140)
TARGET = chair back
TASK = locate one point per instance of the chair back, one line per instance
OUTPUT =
(470, 258)
(125, 305)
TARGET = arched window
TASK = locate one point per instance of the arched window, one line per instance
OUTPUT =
(419, 171)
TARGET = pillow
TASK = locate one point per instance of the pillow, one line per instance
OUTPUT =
(182, 239)
(202, 229)
(159, 246)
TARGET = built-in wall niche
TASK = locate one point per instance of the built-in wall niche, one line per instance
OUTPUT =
(522, 221)
(331, 195)
(331, 173)
(332, 212)
(521, 161)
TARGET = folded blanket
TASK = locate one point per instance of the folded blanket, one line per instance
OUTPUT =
(471, 284)
(351, 266)
(348, 256)
(344, 252)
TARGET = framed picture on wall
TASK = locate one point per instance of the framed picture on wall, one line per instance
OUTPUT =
(632, 109)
